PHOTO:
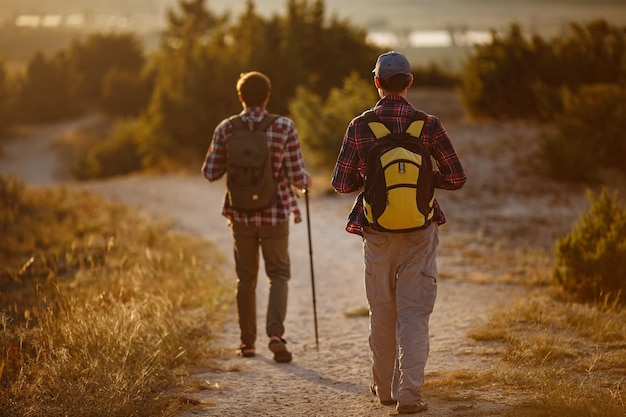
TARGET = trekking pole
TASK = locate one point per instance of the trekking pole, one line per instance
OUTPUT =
(308, 226)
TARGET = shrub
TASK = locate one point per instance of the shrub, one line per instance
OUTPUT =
(100, 54)
(125, 93)
(434, 75)
(496, 79)
(591, 259)
(49, 91)
(118, 154)
(8, 100)
(589, 134)
(322, 124)
(517, 77)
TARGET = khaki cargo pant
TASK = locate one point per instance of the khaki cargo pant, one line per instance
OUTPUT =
(274, 244)
(401, 287)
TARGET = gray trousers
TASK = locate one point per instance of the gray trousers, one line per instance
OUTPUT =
(401, 287)
(274, 244)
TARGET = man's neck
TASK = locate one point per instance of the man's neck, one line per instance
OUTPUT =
(383, 93)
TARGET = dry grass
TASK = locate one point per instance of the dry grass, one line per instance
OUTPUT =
(559, 358)
(103, 309)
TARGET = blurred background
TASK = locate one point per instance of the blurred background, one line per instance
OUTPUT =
(160, 74)
(427, 30)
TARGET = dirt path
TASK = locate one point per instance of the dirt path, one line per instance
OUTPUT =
(333, 380)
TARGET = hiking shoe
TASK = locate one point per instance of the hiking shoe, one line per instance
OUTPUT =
(278, 346)
(412, 409)
(246, 351)
(374, 390)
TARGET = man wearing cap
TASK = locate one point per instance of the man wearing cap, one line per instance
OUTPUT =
(400, 268)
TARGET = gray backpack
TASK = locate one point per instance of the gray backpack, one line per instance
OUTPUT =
(250, 174)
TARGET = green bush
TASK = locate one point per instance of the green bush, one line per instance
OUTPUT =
(591, 259)
(8, 101)
(126, 93)
(588, 135)
(496, 79)
(48, 91)
(118, 154)
(433, 75)
(519, 77)
(100, 54)
(322, 124)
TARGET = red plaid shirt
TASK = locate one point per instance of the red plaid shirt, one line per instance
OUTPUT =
(288, 168)
(349, 173)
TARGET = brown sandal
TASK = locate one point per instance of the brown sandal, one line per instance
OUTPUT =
(277, 346)
(246, 352)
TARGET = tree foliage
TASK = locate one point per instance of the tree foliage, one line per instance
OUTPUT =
(101, 53)
(69, 81)
(7, 100)
(126, 93)
(203, 54)
(188, 86)
(48, 92)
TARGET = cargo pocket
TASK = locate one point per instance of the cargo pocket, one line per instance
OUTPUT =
(429, 289)
(430, 272)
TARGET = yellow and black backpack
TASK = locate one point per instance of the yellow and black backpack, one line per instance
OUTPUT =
(399, 193)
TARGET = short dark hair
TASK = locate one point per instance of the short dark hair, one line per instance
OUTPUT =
(395, 83)
(254, 88)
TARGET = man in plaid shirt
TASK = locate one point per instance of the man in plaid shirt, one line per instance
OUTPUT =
(400, 268)
(267, 229)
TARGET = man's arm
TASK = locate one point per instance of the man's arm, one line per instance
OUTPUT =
(214, 166)
(451, 175)
(346, 177)
(293, 162)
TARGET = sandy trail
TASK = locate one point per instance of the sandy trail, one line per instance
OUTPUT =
(332, 380)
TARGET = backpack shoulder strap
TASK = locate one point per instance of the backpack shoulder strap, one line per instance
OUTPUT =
(266, 122)
(377, 127)
(237, 123)
(417, 124)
